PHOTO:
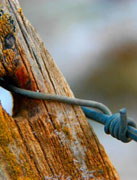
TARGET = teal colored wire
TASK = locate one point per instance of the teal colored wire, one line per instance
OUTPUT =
(118, 125)
(59, 98)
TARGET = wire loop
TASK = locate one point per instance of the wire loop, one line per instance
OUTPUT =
(117, 126)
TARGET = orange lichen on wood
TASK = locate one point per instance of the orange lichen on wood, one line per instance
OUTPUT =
(7, 25)
(14, 163)
(9, 56)
(2, 70)
(11, 65)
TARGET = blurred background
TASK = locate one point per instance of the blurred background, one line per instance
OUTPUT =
(94, 43)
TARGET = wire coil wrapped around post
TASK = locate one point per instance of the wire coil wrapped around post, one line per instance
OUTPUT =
(118, 125)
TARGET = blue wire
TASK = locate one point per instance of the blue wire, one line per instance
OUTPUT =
(116, 124)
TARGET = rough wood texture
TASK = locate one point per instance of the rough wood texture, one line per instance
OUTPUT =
(44, 139)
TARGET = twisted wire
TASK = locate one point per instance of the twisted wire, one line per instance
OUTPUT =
(118, 125)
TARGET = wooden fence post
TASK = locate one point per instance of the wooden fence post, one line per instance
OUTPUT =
(43, 140)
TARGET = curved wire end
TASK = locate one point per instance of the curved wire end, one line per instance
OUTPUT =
(118, 126)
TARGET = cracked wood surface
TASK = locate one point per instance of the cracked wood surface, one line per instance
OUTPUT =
(44, 139)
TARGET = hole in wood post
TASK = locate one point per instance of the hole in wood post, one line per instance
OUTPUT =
(15, 101)
(6, 100)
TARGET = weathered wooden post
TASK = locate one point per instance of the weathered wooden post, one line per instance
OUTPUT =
(43, 140)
